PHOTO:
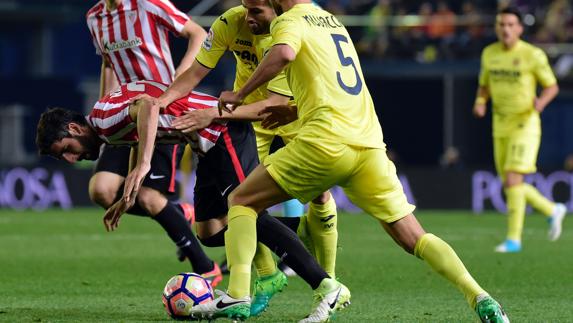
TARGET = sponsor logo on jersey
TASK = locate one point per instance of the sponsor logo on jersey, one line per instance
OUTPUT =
(243, 42)
(122, 44)
(208, 42)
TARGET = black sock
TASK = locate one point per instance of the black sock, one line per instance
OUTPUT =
(216, 240)
(136, 209)
(283, 241)
(173, 221)
(291, 222)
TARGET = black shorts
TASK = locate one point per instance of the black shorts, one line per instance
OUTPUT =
(223, 168)
(164, 163)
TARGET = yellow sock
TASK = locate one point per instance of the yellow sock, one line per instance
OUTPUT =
(538, 201)
(444, 260)
(322, 221)
(304, 235)
(264, 261)
(240, 245)
(515, 196)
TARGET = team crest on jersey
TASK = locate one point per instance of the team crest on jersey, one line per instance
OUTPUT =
(516, 62)
(208, 42)
(131, 17)
(122, 44)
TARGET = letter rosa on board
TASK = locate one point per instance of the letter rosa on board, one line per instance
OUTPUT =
(37, 188)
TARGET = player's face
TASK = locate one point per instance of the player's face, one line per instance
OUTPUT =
(259, 16)
(80, 146)
(508, 29)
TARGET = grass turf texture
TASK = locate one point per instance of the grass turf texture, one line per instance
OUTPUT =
(59, 266)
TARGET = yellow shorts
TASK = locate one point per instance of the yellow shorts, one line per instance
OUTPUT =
(305, 169)
(265, 138)
(516, 152)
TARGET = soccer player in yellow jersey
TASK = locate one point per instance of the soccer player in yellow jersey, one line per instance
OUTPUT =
(244, 31)
(511, 69)
(339, 142)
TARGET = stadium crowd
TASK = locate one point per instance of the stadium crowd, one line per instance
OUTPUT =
(442, 30)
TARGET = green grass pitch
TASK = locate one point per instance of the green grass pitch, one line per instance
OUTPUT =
(61, 266)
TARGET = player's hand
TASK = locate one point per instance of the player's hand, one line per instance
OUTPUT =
(114, 213)
(539, 107)
(143, 96)
(229, 101)
(479, 110)
(278, 115)
(193, 120)
(133, 182)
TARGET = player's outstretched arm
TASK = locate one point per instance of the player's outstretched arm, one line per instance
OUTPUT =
(274, 62)
(108, 80)
(194, 120)
(196, 34)
(546, 96)
(183, 84)
(147, 116)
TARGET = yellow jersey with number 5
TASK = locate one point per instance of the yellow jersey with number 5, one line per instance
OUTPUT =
(326, 78)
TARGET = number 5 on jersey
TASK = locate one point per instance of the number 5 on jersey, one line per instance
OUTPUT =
(346, 61)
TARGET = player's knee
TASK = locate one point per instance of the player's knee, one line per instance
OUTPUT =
(150, 200)
(235, 198)
(322, 198)
(102, 195)
(513, 179)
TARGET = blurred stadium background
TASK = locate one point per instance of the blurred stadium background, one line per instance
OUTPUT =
(420, 59)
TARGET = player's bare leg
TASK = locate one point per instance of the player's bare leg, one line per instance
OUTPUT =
(410, 235)
(103, 188)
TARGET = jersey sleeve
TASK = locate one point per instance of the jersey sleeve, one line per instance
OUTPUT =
(279, 85)
(285, 30)
(93, 32)
(542, 70)
(216, 43)
(483, 73)
(166, 14)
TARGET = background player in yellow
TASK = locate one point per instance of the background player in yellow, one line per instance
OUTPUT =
(244, 31)
(339, 142)
(511, 69)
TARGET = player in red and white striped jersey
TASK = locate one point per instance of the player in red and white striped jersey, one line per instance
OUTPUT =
(131, 36)
(113, 123)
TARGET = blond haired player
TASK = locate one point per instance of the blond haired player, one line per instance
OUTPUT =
(339, 143)
(511, 69)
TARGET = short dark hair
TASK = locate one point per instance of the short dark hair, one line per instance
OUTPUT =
(53, 127)
(511, 11)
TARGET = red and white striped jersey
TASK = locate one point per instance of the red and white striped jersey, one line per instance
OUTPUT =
(111, 120)
(134, 38)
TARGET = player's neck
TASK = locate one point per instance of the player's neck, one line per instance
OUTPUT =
(112, 4)
(510, 46)
(288, 4)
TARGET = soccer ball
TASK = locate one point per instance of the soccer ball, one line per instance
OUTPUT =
(184, 291)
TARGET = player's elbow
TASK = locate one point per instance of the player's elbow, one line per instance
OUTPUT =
(194, 31)
(556, 89)
(285, 53)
